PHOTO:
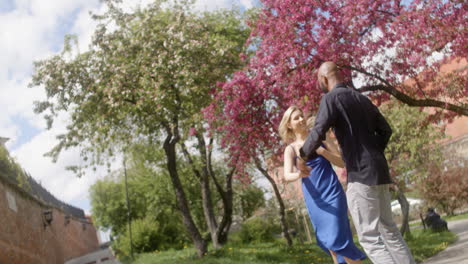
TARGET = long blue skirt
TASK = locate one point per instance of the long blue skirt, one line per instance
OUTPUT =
(326, 203)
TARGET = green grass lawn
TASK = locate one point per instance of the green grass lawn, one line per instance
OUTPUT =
(456, 217)
(423, 244)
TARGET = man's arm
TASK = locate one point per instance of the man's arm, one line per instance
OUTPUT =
(383, 129)
(325, 118)
(333, 157)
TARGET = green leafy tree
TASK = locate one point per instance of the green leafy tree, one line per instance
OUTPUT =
(147, 77)
(153, 207)
(257, 229)
(411, 146)
(108, 204)
(146, 237)
(11, 170)
(248, 199)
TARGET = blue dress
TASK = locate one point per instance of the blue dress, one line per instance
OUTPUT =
(326, 203)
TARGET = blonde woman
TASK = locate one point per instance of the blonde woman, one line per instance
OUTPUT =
(324, 197)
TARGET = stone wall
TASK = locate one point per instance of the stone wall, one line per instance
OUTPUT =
(24, 239)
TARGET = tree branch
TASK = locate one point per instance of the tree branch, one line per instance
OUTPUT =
(190, 160)
(388, 13)
(415, 102)
(389, 88)
(209, 166)
(366, 73)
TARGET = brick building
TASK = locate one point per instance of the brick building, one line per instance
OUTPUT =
(35, 227)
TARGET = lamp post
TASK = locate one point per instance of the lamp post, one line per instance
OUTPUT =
(128, 207)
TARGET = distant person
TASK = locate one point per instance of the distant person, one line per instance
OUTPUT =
(363, 134)
(324, 197)
(434, 222)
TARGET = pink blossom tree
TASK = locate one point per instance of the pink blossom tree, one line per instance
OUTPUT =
(383, 43)
(393, 48)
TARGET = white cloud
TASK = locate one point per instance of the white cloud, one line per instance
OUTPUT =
(9, 130)
(34, 30)
(210, 5)
(29, 33)
(84, 27)
(247, 3)
(63, 184)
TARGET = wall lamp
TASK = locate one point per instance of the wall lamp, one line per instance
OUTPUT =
(47, 217)
(67, 219)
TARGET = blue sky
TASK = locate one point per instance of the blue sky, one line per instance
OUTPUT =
(31, 30)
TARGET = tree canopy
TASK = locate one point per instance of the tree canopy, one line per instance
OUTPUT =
(146, 72)
(393, 48)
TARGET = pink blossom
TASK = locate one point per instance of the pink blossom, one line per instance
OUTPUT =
(192, 132)
(296, 36)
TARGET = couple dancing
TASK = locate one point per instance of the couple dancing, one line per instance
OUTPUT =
(362, 133)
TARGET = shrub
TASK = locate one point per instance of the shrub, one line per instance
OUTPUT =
(257, 230)
(446, 188)
(148, 236)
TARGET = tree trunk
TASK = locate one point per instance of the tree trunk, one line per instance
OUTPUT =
(227, 196)
(208, 209)
(306, 225)
(218, 233)
(225, 225)
(206, 193)
(282, 213)
(404, 212)
(284, 224)
(170, 150)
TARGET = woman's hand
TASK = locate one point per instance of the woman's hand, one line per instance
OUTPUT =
(302, 167)
(320, 150)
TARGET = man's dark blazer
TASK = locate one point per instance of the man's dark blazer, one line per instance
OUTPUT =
(361, 131)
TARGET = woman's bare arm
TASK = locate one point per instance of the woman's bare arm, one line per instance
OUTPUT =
(290, 172)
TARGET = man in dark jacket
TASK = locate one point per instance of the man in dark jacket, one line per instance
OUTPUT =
(363, 134)
(434, 222)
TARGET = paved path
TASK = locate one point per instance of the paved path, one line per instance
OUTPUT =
(456, 253)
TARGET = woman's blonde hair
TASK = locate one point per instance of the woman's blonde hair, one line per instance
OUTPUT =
(310, 122)
(285, 132)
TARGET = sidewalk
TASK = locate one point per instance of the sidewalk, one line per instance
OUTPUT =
(457, 252)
